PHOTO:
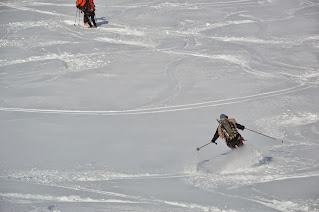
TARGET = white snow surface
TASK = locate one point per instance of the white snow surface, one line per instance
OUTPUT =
(109, 119)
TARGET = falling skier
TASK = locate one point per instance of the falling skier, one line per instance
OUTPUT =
(227, 131)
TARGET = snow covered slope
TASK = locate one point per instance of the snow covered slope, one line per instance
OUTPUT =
(108, 119)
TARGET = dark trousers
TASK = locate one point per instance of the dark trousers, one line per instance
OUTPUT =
(238, 141)
(87, 16)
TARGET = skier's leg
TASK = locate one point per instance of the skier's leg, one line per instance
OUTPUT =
(239, 142)
(92, 18)
(231, 145)
(87, 18)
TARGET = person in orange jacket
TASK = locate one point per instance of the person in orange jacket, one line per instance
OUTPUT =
(227, 130)
(88, 7)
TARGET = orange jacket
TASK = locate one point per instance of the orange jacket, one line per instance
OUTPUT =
(82, 5)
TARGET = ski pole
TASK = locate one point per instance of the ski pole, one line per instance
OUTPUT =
(79, 16)
(205, 145)
(76, 15)
(263, 135)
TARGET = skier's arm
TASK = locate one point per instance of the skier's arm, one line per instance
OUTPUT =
(215, 136)
(239, 126)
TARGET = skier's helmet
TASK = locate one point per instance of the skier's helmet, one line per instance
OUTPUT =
(223, 116)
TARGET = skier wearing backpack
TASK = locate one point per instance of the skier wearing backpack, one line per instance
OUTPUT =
(88, 7)
(227, 131)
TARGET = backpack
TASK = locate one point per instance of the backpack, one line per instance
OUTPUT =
(228, 129)
(84, 7)
(78, 5)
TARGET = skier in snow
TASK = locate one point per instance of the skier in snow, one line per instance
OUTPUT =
(227, 131)
(88, 8)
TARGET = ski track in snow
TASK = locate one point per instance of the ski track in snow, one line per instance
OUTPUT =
(126, 199)
(163, 109)
(218, 4)
(17, 7)
(129, 199)
(240, 174)
(235, 179)
(227, 58)
(195, 32)
(72, 198)
(275, 204)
